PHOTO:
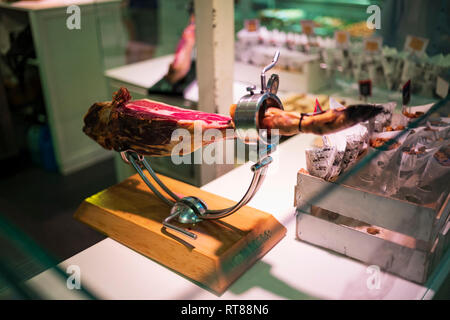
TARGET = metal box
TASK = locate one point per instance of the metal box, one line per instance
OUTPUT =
(400, 237)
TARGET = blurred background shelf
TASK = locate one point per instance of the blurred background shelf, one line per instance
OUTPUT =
(70, 71)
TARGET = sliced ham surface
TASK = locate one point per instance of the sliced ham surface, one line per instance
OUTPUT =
(148, 109)
(147, 126)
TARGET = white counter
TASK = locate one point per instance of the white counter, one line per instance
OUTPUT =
(291, 270)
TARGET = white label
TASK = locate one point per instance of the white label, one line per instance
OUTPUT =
(251, 25)
(441, 87)
(307, 27)
(342, 39)
(416, 44)
(373, 45)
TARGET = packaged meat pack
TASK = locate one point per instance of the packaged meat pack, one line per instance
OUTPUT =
(319, 160)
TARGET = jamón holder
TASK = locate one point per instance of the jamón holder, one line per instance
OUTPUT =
(249, 113)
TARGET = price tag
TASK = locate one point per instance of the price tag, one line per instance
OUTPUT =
(342, 39)
(365, 88)
(441, 87)
(251, 25)
(307, 27)
(416, 44)
(406, 93)
(373, 45)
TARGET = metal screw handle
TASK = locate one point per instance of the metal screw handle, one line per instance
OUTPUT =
(267, 68)
(251, 89)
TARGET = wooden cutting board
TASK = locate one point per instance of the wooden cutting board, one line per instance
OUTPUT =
(131, 214)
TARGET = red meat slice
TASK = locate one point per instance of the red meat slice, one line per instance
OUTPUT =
(146, 126)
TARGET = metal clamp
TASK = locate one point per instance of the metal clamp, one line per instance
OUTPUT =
(251, 108)
(192, 209)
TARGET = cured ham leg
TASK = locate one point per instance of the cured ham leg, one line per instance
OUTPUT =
(147, 126)
(330, 121)
(326, 122)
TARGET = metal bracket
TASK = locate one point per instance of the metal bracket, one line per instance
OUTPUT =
(192, 209)
(267, 68)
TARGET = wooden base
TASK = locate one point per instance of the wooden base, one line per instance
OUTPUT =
(130, 214)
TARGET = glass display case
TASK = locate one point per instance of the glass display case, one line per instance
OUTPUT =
(330, 183)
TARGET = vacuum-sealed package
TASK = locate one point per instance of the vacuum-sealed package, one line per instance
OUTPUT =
(436, 174)
(300, 41)
(375, 70)
(264, 36)
(392, 64)
(411, 113)
(296, 61)
(339, 143)
(355, 142)
(411, 163)
(356, 56)
(278, 38)
(242, 52)
(411, 71)
(290, 40)
(429, 136)
(441, 128)
(329, 60)
(397, 123)
(349, 143)
(383, 119)
(320, 160)
(380, 171)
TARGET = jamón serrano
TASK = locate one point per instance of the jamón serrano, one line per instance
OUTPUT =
(326, 122)
(146, 126)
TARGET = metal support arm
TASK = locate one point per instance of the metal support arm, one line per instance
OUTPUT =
(191, 209)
